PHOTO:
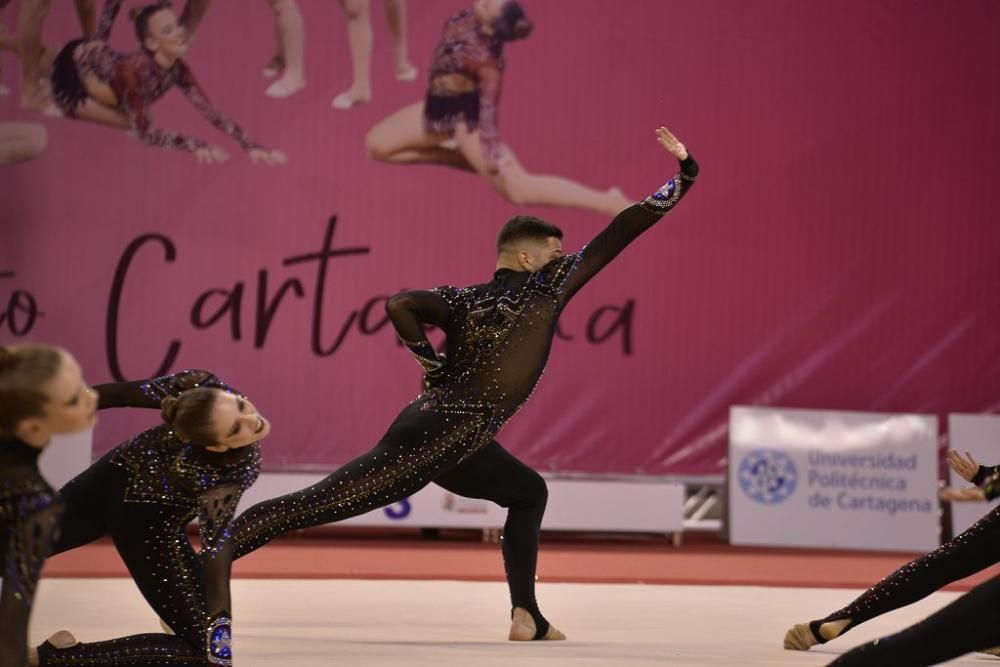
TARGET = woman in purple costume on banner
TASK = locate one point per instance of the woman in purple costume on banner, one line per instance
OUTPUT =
(456, 124)
(93, 82)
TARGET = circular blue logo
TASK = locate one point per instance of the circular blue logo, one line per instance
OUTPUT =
(767, 476)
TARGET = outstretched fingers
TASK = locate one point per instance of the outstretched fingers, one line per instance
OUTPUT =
(666, 139)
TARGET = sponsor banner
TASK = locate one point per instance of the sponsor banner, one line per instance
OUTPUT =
(819, 478)
(978, 435)
(606, 506)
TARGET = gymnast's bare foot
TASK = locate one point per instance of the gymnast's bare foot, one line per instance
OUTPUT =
(286, 86)
(351, 97)
(801, 637)
(523, 628)
(405, 72)
(61, 639)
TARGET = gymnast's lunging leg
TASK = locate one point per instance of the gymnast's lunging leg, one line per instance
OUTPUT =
(494, 474)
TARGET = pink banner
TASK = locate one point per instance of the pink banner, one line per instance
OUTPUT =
(840, 250)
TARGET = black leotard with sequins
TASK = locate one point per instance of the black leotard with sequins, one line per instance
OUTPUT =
(144, 493)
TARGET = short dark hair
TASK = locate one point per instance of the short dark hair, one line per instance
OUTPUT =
(525, 227)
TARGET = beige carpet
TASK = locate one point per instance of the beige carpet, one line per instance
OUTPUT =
(292, 623)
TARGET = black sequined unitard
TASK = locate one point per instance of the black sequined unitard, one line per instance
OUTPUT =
(29, 527)
(970, 623)
(144, 493)
(965, 554)
(498, 340)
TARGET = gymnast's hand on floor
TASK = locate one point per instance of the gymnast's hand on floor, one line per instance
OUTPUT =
(670, 142)
(965, 467)
(211, 155)
(270, 158)
(972, 494)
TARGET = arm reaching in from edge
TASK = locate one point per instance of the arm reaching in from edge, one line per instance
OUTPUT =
(149, 393)
(971, 494)
(985, 478)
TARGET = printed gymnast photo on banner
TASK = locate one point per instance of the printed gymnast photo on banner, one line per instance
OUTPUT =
(393, 331)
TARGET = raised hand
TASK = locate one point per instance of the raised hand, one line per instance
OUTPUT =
(965, 467)
(972, 494)
(670, 142)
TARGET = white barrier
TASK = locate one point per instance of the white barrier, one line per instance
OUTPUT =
(815, 478)
(979, 435)
(574, 504)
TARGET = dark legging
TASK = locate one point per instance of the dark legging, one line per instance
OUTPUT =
(394, 470)
(151, 539)
(494, 474)
(970, 552)
(970, 623)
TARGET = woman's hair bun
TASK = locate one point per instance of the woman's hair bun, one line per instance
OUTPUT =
(168, 409)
